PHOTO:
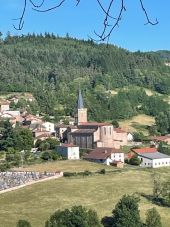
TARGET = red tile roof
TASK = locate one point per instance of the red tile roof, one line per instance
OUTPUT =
(101, 153)
(160, 138)
(95, 123)
(119, 130)
(145, 150)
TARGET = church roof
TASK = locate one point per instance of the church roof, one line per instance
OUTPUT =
(80, 104)
(95, 124)
(83, 131)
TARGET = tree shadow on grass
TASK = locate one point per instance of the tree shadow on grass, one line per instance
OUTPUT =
(157, 201)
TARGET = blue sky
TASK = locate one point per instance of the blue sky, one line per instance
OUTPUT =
(81, 21)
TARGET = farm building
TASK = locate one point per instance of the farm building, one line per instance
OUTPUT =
(154, 160)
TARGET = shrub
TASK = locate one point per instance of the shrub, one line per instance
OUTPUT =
(102, 171)
(69, 174)
(135, 161)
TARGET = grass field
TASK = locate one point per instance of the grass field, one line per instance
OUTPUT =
(137, 123)
(65, 166)
(100, 192)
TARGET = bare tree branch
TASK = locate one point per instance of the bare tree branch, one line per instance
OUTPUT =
(109, 21)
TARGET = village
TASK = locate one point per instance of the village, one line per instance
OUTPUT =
(101, 142)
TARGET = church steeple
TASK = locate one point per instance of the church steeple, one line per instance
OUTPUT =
(81, 112)
(80, 104)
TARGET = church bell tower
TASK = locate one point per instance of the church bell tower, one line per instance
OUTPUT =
(81, 112)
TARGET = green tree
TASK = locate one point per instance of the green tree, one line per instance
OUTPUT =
(135, 161)
(23, 139)
(126, 212)
(153, 218)
(77, 216)
(23, 223)
(164, 148)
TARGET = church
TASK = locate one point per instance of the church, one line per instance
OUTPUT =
(91, 135)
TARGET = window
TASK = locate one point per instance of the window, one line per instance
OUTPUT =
(105, 131)
(110, 130)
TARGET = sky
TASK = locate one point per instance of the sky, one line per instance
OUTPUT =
(81, 21)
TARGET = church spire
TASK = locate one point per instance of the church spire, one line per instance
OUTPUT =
(80, 104)
(81, 113)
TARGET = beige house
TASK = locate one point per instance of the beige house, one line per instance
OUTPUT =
(4, 106)
(120, 137)
(157, 139)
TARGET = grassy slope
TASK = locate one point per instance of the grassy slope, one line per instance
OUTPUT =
(65, 166)
(100, 192)
(137, 123)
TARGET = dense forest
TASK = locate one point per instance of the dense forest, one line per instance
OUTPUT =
(52, 68)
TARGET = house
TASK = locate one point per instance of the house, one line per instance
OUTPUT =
(119, 137)
(13, 113)
(143, 150)
(105, 155)
(157, 139)
(70, 151)
(154, 159)
(129, 137)
(48, 126)
(32, 119)
(4, 105)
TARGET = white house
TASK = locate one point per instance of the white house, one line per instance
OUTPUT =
(48, 126)
(13, 113)
(4, 105)
(129, 136)
(105, 155)
(154, 160)
(69, 151)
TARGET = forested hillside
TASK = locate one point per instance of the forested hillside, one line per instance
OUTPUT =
(53, 68)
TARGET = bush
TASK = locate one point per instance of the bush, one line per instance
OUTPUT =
(69, 174)
(135, 161)
(102, 171)
(87, 173)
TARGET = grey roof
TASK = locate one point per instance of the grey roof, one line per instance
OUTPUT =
(80, 104)
(83, 131)
(154, 155)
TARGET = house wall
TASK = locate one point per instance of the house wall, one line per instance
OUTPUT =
(120, 139)
(71, 153)
(82, 140)
(97, 135)
(48, 126)
(155, 163)
(106, 135)
(118, 157)
(4, 107)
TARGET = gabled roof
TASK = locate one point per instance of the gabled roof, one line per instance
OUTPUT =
(102, 153)
(119, 130)
(161, 138)
(144, 150)
(95, 123)
(156, 155)
(83, 131)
